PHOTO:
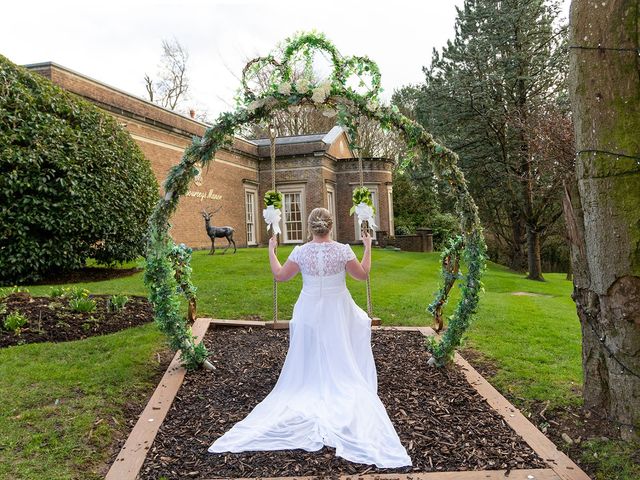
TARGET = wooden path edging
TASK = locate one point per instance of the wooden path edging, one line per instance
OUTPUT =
(129, 461)
(533, 474)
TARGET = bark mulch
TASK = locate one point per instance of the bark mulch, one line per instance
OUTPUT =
(50, 319)
(441, 420)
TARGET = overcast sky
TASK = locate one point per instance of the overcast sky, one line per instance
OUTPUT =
(117, 42)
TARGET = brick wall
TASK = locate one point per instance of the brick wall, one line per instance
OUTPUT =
(163, 135)
(422, 241)
(377, 176)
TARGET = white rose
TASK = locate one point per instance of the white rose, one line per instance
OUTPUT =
(256, 104)
(302, 85)
(321, 92)
(284, 88)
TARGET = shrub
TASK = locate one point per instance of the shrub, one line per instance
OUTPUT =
(82, 305)
(402, 230)
(115, 303)
(73, 184)
(444, 226)
(14, 322)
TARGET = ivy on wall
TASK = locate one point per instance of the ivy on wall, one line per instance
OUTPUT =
(352, 90)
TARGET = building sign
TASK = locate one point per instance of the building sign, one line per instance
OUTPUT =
(198, 180)
(210, 195)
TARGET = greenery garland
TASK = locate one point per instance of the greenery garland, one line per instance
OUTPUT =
(333, 93)
(450, 259)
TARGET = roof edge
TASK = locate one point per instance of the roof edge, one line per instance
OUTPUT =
(50, 64)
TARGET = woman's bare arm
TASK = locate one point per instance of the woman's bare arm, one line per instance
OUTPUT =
(281, 273)
(360, 270)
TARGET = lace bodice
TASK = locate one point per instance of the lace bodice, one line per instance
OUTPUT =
(322, 259)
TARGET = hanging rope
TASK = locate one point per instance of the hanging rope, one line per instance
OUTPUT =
(364, 228)
(272, 137)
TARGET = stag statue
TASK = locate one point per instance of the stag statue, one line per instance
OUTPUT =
(217, 232)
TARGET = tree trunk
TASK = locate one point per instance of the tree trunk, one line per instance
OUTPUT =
(605, 209)
(533, 254)
(517, 260)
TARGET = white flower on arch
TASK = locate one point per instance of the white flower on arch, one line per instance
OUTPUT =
(321, 92)
(302, 85)
(284, 88)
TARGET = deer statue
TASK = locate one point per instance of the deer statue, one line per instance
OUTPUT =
(217, 232)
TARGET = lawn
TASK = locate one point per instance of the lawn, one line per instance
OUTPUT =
(63, 404)
(534, 339)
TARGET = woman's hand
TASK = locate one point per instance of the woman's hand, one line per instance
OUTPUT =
(366, 239)
(273, 243)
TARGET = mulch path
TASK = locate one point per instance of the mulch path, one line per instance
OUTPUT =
(51, 319)
(441, 420)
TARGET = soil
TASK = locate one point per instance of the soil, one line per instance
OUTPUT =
(52, 320)
(87, 274)
(441, 420)
(529, 294)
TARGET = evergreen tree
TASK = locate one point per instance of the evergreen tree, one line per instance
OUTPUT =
(498, 77)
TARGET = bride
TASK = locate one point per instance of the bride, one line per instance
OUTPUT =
(326, 393)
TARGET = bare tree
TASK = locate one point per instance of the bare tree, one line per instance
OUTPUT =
(373, 140)
(172, 84)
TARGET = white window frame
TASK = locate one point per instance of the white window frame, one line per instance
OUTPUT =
(392, 229)
(331, 206)
(253, 191)
(303, 212)
(376, 202)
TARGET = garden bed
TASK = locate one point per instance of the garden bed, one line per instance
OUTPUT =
(87, 274)
(444, 423)
(52, 319)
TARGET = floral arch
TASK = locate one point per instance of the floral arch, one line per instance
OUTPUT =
(167, 265)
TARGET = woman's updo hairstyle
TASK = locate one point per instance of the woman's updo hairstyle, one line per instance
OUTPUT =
(320, 222)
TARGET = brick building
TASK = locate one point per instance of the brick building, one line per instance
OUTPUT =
(311, 170)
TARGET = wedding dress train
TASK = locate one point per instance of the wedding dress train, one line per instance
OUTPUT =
(326, 393)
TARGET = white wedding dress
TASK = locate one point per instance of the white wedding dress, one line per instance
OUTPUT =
(326, 393)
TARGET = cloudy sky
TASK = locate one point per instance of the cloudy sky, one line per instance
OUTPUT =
(117, 42)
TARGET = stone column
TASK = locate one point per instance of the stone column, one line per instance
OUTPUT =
(426, 239)
(382, 237)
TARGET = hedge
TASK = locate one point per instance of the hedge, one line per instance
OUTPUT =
(73, 184)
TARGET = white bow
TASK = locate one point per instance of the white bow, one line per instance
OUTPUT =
(365, 213)
(272, 217)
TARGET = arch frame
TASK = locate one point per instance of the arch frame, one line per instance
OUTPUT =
(333, 94)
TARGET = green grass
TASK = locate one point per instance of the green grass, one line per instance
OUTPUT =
(534, 341)
(62, 404)
(614, 460)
